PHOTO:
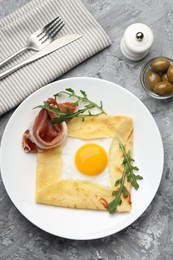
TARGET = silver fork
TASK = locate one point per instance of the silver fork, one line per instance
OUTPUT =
(39, 39)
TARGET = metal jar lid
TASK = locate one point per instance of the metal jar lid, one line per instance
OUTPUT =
(136, 41)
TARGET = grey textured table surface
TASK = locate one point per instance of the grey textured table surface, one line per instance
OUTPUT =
(151, 236)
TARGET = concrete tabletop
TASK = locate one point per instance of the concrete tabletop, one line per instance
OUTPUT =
(151, 235)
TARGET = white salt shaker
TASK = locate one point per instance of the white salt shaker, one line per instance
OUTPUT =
(136, 41)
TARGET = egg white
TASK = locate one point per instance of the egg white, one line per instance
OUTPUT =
(69, 169)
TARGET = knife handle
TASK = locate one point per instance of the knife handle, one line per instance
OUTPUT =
(16, 67)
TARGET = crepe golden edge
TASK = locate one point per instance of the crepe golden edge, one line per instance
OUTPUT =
(51, 190)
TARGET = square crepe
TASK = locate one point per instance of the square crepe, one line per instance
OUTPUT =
(52, 189)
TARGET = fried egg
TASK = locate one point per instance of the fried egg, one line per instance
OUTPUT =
(91, 159)
(86, 160)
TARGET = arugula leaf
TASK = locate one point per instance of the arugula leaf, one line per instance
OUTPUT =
(83, 93)
(82, 113)
(131, 177)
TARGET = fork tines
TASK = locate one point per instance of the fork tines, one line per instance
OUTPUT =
(51, 29)
(56, 27)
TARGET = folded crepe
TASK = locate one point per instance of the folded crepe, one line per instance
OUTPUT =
(52, 189)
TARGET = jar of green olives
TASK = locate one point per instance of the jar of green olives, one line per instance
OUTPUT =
(157, 77)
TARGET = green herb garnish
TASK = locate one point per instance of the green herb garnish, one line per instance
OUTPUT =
(131, 177)
(68, 115)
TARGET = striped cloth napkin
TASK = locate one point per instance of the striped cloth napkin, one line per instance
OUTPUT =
(15, 29)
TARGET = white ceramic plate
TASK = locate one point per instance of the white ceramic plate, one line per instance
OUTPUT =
(18, 168)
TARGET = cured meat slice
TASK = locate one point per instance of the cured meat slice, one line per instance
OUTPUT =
(44, 135)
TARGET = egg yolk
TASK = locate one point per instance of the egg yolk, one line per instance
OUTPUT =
(91, 159)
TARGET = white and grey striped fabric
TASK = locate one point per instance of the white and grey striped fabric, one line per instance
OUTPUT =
(14, 30)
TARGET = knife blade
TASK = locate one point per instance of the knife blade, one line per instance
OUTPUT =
(53, 46)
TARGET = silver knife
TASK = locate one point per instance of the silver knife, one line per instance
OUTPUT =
(53, 46)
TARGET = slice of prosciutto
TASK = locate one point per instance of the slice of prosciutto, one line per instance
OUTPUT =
(44, 135)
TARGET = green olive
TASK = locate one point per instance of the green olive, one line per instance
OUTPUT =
(152, 79)
(165, 77)
(170, 74)
(160, 65)
(163, 88)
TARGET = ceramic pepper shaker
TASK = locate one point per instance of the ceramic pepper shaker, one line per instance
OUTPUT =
(136, 42)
